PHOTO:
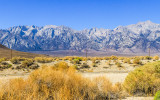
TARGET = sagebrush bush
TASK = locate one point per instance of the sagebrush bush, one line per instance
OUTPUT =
(43, 59)
(85, 65)
(27, 63)
(50, 84)
(144, 79)
(148, 57)
(76, 61)
(113, 58)
(5, 65)
(118, 64)
(137, 61)
(156, 57)
(127, 60)
(15, 60)
(2, 59)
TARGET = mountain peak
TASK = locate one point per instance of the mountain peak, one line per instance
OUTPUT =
(148, 22)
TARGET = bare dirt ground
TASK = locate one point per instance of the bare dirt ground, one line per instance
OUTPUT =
(113, 77)
(138, 98)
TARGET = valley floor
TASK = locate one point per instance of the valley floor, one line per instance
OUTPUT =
(113, 73)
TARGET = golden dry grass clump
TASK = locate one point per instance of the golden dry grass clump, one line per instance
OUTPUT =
(2, 59)
(43, 59)
(17, 60)
(113, 57)
(127, 60)
(48, 83)
(61, 65)
(156, 58)
(144, 80)
(137, 60)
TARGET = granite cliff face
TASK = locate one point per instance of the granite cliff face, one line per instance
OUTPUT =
(134, 38)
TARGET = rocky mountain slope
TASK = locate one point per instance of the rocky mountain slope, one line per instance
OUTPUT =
(134, 38)
(7, 53)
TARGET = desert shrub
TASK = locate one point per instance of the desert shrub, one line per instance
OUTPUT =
(34, 66)
(104, 84)
(148, 57)
(113, 58)
(156, 58)
(43, 59)
(76, 61)
(79, 58)
(3, 59)
(5, 65)
(97, 61)
(75, 67)
(50, 84)
(121, 58)
(27, 63)
(84, 65)
(94, 65)
(137, 61)
(127, 60)
(118, 64)
(109, 62)
(15, 60)
(144, 80)
(61, 65)
(84, 59)
(157, 96)
(93, 60)
(106, 58)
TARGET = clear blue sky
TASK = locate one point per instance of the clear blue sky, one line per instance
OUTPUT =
(78, 14)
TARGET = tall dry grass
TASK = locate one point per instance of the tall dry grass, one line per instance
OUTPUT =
(51, 83)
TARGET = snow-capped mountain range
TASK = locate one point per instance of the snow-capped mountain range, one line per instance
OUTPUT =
(133, 38)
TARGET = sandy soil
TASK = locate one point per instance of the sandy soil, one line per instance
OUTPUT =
(139, 98)
(113, 77)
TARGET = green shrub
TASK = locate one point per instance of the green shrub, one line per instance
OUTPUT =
(76, 61)
(157, 96)
(144, 79)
